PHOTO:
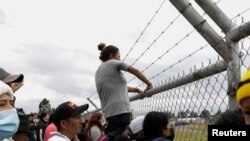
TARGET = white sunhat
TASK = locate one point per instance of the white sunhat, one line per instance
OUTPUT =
(136, 124)
(5, 89)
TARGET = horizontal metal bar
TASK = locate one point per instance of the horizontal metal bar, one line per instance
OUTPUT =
(199, 74)
(240, 32)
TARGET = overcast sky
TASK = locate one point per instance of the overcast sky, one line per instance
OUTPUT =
(54, 42)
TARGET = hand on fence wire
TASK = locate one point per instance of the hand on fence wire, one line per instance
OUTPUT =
(138, 90)
(149, 86)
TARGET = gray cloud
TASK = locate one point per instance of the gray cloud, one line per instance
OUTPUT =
(58, 69)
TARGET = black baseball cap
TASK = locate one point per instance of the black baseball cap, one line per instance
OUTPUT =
(10, 78)
(67, 110)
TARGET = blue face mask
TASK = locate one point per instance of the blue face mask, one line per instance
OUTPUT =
(9, 123)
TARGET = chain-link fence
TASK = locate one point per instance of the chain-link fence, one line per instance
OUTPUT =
(195, 99)
(190, 107)
(194, 105)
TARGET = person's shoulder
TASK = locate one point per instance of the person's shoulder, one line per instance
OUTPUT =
(113, 61)
(42, 124)
(51, 127)
(56, 136)
(231, 117)
(95, 128)
(57, 139)
(233, 113)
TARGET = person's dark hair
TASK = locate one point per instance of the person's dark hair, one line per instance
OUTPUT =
(31, 114)
(42, 115)
(154, 123)
(51, 118)
(231, 117)
(94, 120)
(106, 51)
(57, 124)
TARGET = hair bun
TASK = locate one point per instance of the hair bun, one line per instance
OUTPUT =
(101, 46)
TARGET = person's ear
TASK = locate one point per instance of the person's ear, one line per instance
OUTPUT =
(63, 124)
(111, 56)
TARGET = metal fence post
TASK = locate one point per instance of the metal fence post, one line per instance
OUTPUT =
(233, 64)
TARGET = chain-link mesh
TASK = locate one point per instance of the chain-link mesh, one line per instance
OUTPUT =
(192, 100)
(191, 107)
(195, 105)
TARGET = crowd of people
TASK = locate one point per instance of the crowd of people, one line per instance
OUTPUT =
(114, 123)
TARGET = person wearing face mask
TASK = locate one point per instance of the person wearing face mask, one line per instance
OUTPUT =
(94, 129)
(9, 120)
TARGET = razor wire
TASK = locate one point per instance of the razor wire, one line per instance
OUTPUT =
(238, 15)
(186, 57)
(145, 28)
(155, 40)
(167, 51)
(164, 31)
(177, 62)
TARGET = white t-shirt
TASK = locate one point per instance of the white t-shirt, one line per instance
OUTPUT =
(95, 133)
(56, 136)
